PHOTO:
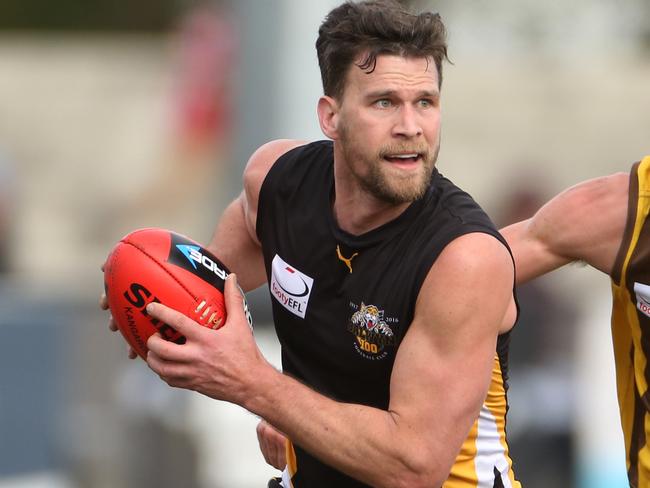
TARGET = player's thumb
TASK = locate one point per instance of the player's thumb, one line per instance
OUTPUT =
(236, 306)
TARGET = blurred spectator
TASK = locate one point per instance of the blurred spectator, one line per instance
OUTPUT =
(541, 370)
(205, 66)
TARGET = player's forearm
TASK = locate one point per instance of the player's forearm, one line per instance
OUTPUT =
(531, 251)
(372, 445)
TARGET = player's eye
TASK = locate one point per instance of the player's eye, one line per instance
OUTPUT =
(383, 103)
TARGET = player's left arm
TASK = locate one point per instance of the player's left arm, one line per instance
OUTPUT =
(444, 366)
(440, 378)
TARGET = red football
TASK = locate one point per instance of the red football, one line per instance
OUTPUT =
(157, 265)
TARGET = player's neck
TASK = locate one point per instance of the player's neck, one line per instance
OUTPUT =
(356, 211)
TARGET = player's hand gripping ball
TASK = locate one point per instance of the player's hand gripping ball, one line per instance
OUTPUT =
(157, 265)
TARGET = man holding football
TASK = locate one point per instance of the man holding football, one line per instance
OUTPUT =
(392, 291)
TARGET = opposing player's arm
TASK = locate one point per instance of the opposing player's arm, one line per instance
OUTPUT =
(235, 239)
(583, 223)
(440, 378)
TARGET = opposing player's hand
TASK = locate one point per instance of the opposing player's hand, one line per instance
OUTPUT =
(224, 364)
(272, 444)
(103, 304)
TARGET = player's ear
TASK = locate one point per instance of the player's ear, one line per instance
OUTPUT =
(328, 116)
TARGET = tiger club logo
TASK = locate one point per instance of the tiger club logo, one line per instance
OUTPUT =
(371, 331)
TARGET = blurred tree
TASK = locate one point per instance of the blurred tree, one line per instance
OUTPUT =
(99, 15)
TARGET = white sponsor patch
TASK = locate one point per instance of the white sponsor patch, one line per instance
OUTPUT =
(290, 287)
(642, 298)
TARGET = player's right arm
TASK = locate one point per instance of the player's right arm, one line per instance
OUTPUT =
(583, 223)
(236, 244)
(235, 240)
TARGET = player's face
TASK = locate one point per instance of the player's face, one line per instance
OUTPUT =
(389, 127)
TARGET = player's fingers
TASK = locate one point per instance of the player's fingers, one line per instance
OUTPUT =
(171, 372)
(131, 353)
(160, 348)
(279, 460)
(178, 321)
(234, 299)
(272, 445)
(158, 365)
(263, 442)
(276, 456)
(233, 296)
(166, 350)
(112, 325)
(103, 301)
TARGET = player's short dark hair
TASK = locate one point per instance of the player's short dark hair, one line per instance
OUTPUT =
(375, 27)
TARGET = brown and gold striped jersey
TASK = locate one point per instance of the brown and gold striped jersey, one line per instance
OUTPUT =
(631, 326)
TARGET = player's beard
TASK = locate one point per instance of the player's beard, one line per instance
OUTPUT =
(389, 184)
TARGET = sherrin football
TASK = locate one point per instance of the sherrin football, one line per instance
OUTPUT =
(157, 265)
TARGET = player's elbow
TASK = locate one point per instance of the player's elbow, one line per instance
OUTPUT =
(411, 479)
(418, 472)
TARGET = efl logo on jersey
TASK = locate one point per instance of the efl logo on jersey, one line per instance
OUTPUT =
(642, 298)
(290, 287)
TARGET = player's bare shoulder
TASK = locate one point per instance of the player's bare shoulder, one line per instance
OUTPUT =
(476, 269)
(258, 166)
(261, 162)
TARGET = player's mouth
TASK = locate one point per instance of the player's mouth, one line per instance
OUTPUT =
(404, 159)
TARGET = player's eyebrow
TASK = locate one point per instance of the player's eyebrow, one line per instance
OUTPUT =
(391, 93)
(380, 94)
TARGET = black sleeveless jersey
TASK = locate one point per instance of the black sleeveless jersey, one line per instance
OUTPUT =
(342, 303)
